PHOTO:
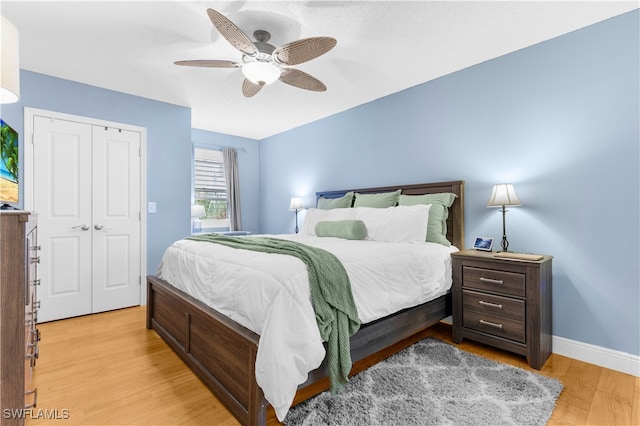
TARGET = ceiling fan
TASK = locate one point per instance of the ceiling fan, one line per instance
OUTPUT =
(262, 63)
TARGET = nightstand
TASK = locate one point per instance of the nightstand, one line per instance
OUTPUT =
(503, 302)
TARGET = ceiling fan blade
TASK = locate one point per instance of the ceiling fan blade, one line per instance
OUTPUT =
(250, 88)
(303, 50)
(300, 79)
(213, 63)
(232, 33)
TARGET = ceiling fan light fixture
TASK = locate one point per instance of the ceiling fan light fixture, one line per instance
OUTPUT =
(262, 61)
(258, 71)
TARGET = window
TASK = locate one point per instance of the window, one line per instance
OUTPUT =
(210, 188)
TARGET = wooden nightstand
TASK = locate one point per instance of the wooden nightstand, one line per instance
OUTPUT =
(503, 302)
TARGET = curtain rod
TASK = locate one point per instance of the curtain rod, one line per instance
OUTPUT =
(214, 146)
(233, 147)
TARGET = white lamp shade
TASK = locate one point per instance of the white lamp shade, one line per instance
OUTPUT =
(259, 71)
(9, 63)
(296, 204)
(197, 210)
(503, 194)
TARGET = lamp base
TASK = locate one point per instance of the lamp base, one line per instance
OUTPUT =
(504, 243)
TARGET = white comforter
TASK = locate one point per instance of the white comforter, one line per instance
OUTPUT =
(269, 294)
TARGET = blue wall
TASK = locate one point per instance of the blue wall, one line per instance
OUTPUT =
(169, 149)
(168, 145)
(560, 120)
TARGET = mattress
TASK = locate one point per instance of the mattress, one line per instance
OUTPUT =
(269, 294)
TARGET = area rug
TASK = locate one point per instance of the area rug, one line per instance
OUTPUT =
(435, 383)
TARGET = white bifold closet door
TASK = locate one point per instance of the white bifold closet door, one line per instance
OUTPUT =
(87, 194)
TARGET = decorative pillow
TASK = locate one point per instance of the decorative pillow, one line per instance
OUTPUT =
(347, 229)
(313, 216)
(440, 203)
(336, 203)
(402, 224)
(381, 200)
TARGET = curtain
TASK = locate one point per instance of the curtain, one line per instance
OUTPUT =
(230, 158)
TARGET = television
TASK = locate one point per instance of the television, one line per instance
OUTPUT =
(9, 189)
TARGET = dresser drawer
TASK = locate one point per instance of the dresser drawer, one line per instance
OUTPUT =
(498, 306)
(503, 282)
(494, 324)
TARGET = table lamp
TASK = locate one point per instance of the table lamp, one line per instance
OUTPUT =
(296, 205)
(197, 211)
(503, 195)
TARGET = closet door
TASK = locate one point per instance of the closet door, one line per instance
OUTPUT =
(62, 196)
(116, 219)
(87, 190)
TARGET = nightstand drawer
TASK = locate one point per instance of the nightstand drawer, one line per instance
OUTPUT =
(498, 306)
(495, 281)
(494, 324)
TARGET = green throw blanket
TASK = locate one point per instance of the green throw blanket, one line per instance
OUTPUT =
(335, 310)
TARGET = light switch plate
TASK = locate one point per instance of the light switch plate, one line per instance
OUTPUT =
(151, 207)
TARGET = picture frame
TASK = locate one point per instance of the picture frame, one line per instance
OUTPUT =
(483, 243)
(9, 148)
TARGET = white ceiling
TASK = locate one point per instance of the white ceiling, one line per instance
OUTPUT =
(383, 47)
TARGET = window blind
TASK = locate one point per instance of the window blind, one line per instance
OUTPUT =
(209, 182)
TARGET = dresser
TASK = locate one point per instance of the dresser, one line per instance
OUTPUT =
(503, 302)
(19, 335)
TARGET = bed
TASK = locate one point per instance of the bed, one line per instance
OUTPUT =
(223, 353)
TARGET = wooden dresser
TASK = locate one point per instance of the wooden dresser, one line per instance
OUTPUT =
(19, 336)
(503, 302)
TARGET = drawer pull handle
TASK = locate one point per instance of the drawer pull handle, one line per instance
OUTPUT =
(491, 324)
(491, 281)
(35, 335)
(35, 259)
(489, 304)
(35, 398)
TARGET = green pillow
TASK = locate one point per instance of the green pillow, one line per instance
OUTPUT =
(438, 213)
(347, 229)
(381, 200)
(336, 203)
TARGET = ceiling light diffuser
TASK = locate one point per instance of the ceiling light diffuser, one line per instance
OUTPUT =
(261, 72)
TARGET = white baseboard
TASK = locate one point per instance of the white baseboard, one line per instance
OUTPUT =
(603, 357)
(608, 358)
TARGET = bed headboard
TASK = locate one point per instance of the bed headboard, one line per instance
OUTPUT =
(455, 222)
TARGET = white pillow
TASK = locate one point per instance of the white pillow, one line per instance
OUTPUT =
(401, 224)
(313, 216)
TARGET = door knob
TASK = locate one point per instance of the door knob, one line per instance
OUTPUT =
(98, 227)
(84, 227)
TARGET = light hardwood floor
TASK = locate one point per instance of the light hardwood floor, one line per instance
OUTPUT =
(108, 369)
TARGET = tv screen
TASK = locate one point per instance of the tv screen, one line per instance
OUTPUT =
(9, 190)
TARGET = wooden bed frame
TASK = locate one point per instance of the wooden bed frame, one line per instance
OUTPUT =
(222, 353)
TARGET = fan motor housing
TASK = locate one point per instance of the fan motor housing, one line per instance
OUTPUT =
(265, 50)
